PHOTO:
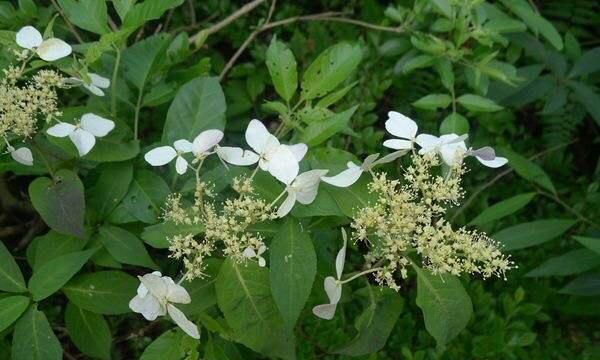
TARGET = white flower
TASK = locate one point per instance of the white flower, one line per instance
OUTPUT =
(84, 134)
(487, 156)
(49, 50)
(450, 147)
(353, 172)
(22, 155)
(403, 127)
(303, 189)
(96, 84)
(251, 254)
(163, 155)
(332, 286)
(156, 296)
(279, 160)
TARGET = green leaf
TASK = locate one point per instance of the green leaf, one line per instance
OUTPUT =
(110, 149)
(171, 345)
(454, 123)
(586, 64)
(143, 12)
(444, 7)
(335, 96)
(330, 69)
(11, 308)
(433, 102)
(125, 247)
(142, 59)
(219, 349)
(104, 292)
(50, 246)
(90, 332)
(446, 305)
(282, 67)
(51, 276)
(110, 188)
(428, 43)
(502, 209)
(11, 278)
(529, 170)
(244, 297)
(60, 203)
(478, 103)
(33, 338)
(146, 196)
(157, 235)
(588, 98)
(583, 285)
(293, 270)
(590, 243)
(199, 105)
(317, 132)
(122, 7)
(535, 21)
(572, 262)
(89, 15)
(353, 198)
(417, 62)
(375, 324)
(532, 233)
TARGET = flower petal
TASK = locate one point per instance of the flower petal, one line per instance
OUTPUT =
(155, 284)
(427, 143)
(23, 156)
(53, 49)
(283, 165)
(148, 306)
(299, 150)
(306, 185)
(398, 144)
(99, 81)
(84, 141)
(287, 205)
(183, 146)
(206, 140)
(237, 156)
(181, 165)
(160, 156)
(94, 89)
(485, 153)
(262, 262)
(390, 157)
(177, 294)
(257, 136)
(29, 37)
(496, 163)
(401, 126)
(333, 289)
(325, 311)
(340, 259)
(61, 129)
(249, 253)
(345, 178)
(96, 125)
(179, 318)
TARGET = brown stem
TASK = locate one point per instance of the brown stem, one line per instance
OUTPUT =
(71, 27)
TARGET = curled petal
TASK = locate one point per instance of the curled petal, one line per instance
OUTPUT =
(160, 156)
(83, 141)
(287, 205)
(148, 306)
(177, 294)
(237, 156)
(427, 143)
(29, 37)
(299, 150)
(261, 261)
(333, 289)
(325, 311)
(23, 156)
(401, 126)
(53, 49)
(345, 178)
(398, 144)
(340, 259)
(94, 89)
(206, 140)
(306, 185)
(496, 163)
(96, 125)
(249, 253)
(181, 165)
(156, 285)
(99, 81)
(179, 318)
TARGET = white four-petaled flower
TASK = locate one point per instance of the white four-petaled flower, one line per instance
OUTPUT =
(332, 286)
(84, 134)
(303, 189)
(49, 50)
(156, 296)
(251, 254)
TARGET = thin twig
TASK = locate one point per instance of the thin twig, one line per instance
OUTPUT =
(503, 174)
(71, 27)
(577, 214)
(228, 20)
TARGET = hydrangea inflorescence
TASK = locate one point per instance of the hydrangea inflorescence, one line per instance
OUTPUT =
(25, 100)
(405, 223)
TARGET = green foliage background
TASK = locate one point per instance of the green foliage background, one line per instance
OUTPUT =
(525, 80)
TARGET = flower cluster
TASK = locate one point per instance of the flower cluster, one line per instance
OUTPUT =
(25, 101)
